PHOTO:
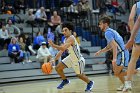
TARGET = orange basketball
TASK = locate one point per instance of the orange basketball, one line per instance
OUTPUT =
(47, 68)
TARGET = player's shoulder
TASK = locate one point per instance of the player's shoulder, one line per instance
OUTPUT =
(70, 39)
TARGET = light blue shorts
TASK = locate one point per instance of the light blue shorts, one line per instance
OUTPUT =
(123, 58)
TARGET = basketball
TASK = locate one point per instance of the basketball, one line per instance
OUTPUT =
(47, 68)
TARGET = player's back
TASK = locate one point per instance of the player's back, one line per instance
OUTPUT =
(117, 38)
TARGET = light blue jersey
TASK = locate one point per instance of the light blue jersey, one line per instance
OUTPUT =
(123, 54)
(137, 38)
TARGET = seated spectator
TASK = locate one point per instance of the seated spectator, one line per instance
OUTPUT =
(25, 55)
(38, 40)
(83, 5)
(40, 15)
(13, 30)
(30, 17)
(43, 53)
(4, 37)
(29, 46)
(82, 50)
(58, 33)
(115, 7)
(8, 9)
(55, 20)
(50, 35)
(14, 50)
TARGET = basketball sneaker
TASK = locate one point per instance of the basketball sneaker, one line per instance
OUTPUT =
(63, 83)
(89, 86)
(120, 88)
(127, 86)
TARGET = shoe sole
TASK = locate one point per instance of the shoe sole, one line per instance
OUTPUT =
(64, 86)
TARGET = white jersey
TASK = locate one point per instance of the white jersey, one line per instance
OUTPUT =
(74, 50)
(74, 59)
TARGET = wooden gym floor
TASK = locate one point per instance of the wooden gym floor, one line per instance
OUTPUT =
(103, 84)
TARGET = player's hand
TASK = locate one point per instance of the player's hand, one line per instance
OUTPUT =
(97, 53)
(129, 44)
(50, 43)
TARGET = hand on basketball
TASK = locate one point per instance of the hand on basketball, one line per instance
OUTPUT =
(129, 44)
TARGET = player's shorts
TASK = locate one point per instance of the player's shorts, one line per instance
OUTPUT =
(123, 58)
(77, 65)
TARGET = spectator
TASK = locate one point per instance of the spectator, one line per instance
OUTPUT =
(38, 40)
(43, 53)
(8, 9)
(55, 20)
(13, 30)
(50, 35)
(14, 50)
(40, 15)
(82, 50)
(4, 37)
(28, 44)
(83, 5)
(30, 17)
(25, 55)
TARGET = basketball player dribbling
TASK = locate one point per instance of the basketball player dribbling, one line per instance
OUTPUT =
(74, 59)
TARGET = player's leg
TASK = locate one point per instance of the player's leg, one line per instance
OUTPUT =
(59, 69)
(131, 67)
(66, 63)
(118, 72)
(132, 64)
(79, 69)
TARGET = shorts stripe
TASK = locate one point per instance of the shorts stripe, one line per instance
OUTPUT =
(64, 64)
(80, 67)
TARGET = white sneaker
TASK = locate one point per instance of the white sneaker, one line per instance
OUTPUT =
(29, 60)
(138, 71)
(127, 86)
(120, 88)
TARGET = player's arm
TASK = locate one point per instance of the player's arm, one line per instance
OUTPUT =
(107, 48)
(58, 55)
(114, 46)
(135, 28)
(132, 16)
(133, 33)
(63, 47)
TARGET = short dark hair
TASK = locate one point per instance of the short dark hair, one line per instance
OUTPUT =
(69, 25)
(105, 19)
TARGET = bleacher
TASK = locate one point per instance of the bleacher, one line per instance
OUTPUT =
(31, 71)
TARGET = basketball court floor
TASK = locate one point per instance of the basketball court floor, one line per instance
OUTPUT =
(103, 84)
